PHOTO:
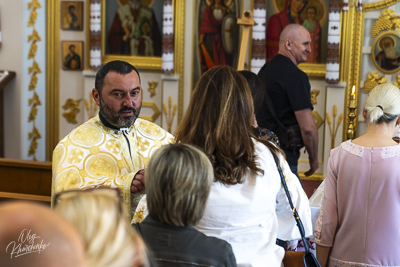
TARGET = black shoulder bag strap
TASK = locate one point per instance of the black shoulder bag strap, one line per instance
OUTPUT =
(309, 258)
(271, 109)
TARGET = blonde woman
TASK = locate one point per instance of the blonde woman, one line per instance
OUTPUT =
(358, 223)
(98, 214)
(178, 181)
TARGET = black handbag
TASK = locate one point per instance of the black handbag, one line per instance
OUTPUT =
(309, 259)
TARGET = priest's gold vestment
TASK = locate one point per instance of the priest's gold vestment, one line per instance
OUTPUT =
(94, 155)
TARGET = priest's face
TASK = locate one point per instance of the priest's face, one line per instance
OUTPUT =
(120, 100)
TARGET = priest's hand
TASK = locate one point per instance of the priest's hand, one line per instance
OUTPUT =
(137, 185)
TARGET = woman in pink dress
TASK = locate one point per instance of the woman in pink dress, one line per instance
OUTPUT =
(359, 220)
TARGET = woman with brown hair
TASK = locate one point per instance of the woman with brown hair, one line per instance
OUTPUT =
(247, 205)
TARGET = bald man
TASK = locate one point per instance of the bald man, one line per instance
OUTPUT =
(34, 235)
(287, 108)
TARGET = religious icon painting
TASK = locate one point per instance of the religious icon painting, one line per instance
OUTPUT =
(140, 21)
(216, 35)
(312, 14)
(385, 52)
(72, 55)
(72, 15)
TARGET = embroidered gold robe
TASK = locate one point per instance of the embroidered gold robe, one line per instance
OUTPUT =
(93, 155)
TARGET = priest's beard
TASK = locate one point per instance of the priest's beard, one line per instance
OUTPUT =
(390, 52)
(115, 118)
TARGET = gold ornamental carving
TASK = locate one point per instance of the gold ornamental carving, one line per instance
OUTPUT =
(156, 111)
(378, 5)
(72, 107)
(318, 119)
(152, 88)
(91, 106)
(33, 70)
(333, 125)
(169, 113)
(397, 82)
(314, 94)
(387, 21)
(353, 3)
(373, 79)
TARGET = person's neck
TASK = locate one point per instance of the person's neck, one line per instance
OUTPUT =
(383, 129)
(377, 135)
(106, 123)
(285, 53)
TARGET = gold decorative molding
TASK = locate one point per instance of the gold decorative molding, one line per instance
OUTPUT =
(152, 88)
(353, 3)
(72, 106)
(314, 177)
(318, 119)
(373, 79)
(179, 32)
(33, 70)
(378, 5)
(151, 63)
(351, 58)
(387, 21)
(333, 125)
(155, 109)
(397, 82)
(91, 106)
(52, 76)
(314, 94)
(169, 113)
(313, 70)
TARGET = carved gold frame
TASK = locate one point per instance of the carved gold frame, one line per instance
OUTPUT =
(376, 42)
(313, 70)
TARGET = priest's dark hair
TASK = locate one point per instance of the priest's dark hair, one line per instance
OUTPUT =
(118, 66)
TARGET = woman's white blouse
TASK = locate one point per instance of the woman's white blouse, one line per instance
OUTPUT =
(250, 216)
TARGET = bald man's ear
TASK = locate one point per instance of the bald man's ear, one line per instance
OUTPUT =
(288, 44)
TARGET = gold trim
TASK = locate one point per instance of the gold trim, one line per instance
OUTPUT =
(142, 63)
(154, 107)
(314, 177)
(351, 56)
(397, 82)
(313, 70)
(179, 33)
(88, 34)
(379, 5)
(52, 76)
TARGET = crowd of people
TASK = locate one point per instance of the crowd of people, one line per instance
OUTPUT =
(125, 192)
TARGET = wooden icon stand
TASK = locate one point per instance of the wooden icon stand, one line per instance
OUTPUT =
(247, 21)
